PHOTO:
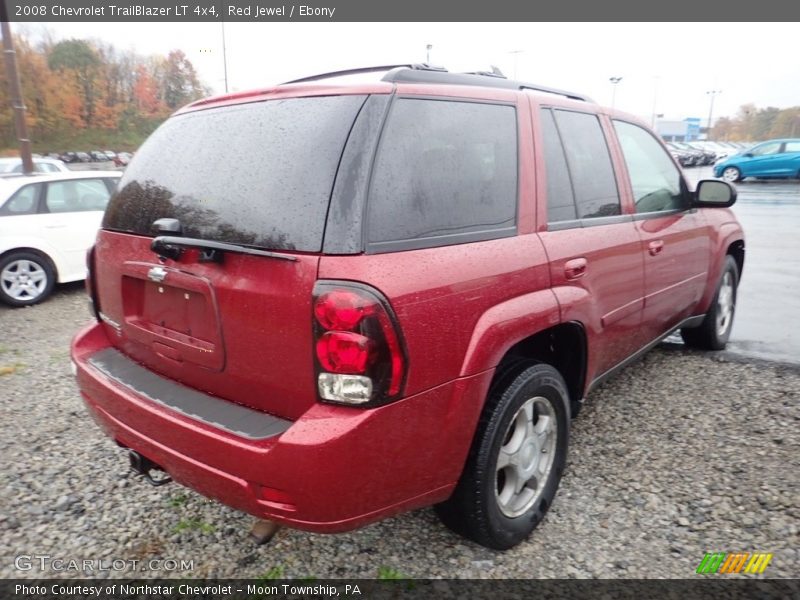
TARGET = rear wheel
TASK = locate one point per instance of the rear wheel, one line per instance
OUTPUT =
(731, 174)
(715, 330)
(516, 461)
(25, 278)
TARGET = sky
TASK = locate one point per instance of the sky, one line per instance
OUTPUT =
(666, 68)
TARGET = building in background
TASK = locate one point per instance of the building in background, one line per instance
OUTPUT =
(686, 130)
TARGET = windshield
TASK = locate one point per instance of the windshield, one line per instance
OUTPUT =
(257, 174)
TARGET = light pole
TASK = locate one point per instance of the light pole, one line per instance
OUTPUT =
(713, 94)
(428, 49)
(614, 81)
(224, 57)
(516, 54)
(655, 97)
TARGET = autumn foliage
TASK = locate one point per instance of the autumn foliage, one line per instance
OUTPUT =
(75, 85)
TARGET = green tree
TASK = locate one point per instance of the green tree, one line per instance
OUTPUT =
(81, 59)
(179, 83)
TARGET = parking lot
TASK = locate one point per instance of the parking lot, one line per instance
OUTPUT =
(683, 453)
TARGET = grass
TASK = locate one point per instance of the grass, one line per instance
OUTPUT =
(275, 572)
(193, 525)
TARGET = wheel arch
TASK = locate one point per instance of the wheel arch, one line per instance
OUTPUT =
(36, 251)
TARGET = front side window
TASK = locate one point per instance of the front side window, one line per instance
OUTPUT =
(656, 183)
(76, 195)
(589, 160)
(445, 172)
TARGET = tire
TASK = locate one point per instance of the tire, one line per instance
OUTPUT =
(731, 174)
(714, 331)
(487, 507)
(25, 278)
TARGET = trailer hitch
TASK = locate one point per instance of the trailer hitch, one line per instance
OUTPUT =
(143, 465)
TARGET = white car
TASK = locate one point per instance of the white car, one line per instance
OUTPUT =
(47, 223)
(9, 166)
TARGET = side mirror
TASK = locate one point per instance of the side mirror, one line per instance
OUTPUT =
(748, 154)
(712, 193)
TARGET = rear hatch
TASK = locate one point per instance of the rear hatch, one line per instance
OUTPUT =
(223, 304)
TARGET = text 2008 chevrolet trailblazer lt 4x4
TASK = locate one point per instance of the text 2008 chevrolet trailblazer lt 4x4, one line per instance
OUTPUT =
(326, 303)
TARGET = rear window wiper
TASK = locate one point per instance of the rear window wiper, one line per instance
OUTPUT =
(210, 251)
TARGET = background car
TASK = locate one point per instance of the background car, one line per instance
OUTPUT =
(11, 166)
(122, 158)
(47, 223)
(98, 156)
(771, 159)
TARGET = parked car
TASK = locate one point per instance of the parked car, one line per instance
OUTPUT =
(75, 157)
(122, 159)
(47, 222)
(775, 159)
(405, 306)
(98, 156)
(13, 166)
(703, 156)
(110, 154)
(685, 158)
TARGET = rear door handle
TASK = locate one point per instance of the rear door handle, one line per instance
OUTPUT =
(575, 268)
(655, 247)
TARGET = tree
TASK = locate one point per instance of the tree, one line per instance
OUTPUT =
(179, 83)
(79, 58)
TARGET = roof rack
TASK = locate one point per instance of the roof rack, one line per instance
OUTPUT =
(361, 70)
(484, 79)
(425, 73)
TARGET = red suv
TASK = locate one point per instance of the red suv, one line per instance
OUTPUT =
(325, 303)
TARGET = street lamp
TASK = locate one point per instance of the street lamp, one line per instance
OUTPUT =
(516, 54)
(614, 81)
(713, 94)
(428, 47)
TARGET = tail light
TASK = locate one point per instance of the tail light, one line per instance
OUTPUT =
(94, 307)
(358, 350)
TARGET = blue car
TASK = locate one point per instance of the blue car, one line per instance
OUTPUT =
(775, 158)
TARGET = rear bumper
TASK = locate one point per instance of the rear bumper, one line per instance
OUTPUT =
(333, 469)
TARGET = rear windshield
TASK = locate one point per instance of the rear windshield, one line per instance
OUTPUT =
(257, 174)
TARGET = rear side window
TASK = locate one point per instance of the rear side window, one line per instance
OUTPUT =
(257, 174)
(589, 161)
(560, 199)
(23, 202)
(76, 195)
(792, 147)
(445, 173)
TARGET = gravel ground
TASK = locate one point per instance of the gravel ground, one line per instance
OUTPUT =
(681, 454)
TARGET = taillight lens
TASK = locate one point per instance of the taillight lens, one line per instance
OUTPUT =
(358, 349)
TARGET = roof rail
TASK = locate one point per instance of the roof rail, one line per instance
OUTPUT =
(492, 79)
(417, 66)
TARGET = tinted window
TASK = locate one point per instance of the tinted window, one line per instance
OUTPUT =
(444, 168)
(589, 163)
(76, 195)
(657, 185)
(23, 202)
(792, 147)
(560, 199)
(257, 174)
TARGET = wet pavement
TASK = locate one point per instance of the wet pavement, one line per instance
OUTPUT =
(767, 322)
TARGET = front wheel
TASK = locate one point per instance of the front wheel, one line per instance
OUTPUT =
(25, 278)
(715, 329)
(731, 174)
(516, 461)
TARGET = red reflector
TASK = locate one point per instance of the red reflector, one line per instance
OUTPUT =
(344, 352)
(341, 309)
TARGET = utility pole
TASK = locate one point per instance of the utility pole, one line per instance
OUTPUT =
(224, 57)
(15, 91)
(713, 94)
(614, 81)
(428, 48)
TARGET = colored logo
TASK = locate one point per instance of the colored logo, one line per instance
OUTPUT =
(734, 562)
